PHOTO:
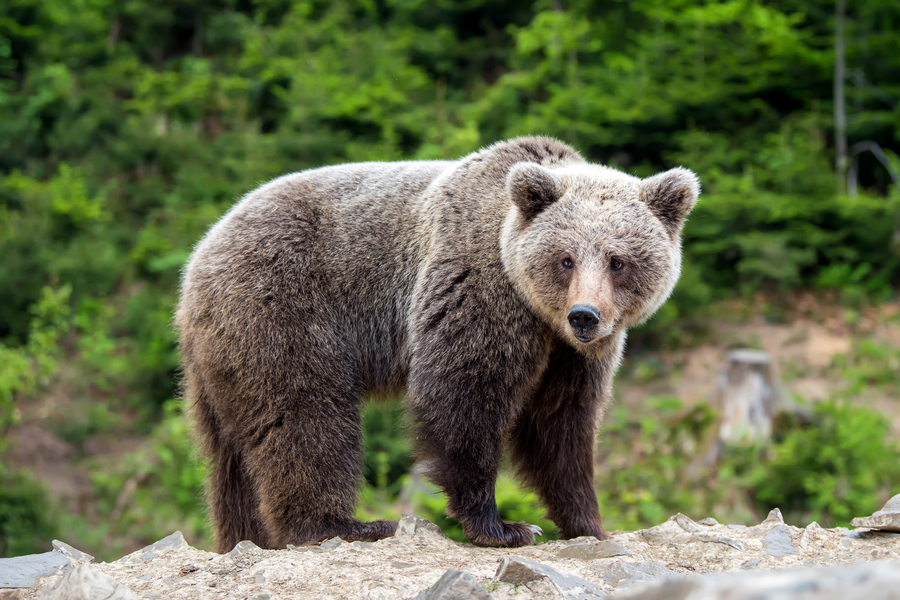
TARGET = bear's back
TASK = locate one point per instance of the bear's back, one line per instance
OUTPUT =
(336, 246)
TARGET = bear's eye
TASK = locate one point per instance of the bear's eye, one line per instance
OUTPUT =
(616, 264)
(568, 263)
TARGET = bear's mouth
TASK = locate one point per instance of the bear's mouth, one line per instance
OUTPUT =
(586, 337)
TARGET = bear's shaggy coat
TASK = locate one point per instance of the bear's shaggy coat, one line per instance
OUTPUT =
(496, 290)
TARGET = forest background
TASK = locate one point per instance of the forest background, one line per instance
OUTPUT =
(128, 127)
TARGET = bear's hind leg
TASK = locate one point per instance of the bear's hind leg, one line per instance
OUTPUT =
(233, 503)
(234, 507)
(307, 472)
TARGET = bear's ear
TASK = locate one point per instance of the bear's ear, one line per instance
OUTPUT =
(532, 188)
(671, 196)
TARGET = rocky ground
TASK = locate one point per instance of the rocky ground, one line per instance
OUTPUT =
(680, 558)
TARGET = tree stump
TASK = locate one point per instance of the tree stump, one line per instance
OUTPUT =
(748, 395)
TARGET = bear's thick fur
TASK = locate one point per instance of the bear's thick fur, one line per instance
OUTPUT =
(496, 290)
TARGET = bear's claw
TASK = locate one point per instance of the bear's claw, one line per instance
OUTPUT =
(536, 530)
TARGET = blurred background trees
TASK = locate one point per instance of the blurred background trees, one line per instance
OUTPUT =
(128, 127)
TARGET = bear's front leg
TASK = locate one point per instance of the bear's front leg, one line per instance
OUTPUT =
(462, 448)
(552, 442)
(474, 361)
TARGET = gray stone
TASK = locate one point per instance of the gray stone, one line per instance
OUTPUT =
(778, 542)
(23, 571)
(720, 540)
(619, 572)
(874, 581)
(243, 548)
(687, 524)
(581, 539)
(892, 506)
(774, 516)
(362, 545)
(412, 524)
(70, 552)
(810, 533)
(750, 564)
(148, 556)
(850, 534)
(886, 519)
(708, 521)
(86, 582)
(669, 532)
(174, 541)
(604, 549)
(517, 570)
(454, 585)
(331, 543)
(263, 596)
(737, 527)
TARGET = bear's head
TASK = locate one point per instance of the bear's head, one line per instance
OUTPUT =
(591, 249)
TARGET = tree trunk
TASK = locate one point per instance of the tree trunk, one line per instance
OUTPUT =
(840, 113)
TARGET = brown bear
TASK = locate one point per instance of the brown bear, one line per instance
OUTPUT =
(496, 290)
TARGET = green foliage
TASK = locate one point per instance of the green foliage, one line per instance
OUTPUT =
(838, 466)
(871, 365)
(27, 523)
(644, 464)
(151, 492)
(23, 369)
(387, 450)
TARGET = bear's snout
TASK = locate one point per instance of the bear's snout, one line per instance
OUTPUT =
(584, 319)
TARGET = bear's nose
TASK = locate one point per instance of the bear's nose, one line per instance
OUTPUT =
(583, 317)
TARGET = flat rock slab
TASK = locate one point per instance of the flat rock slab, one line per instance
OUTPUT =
(604, 549)
(886, 519)
(882, 522)
(23, 571)
(72, 553)
(879, 581)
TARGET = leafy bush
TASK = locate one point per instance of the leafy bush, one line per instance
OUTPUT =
(870, 365)
(838, 466)
(152, 492)
(27, 521)
(387, 451)
(643, 471)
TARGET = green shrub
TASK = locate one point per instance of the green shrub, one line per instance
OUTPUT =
(869, 365)
(839, 465)
(643, 464)
(153, 491)
(27, 521)
(388, 455)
